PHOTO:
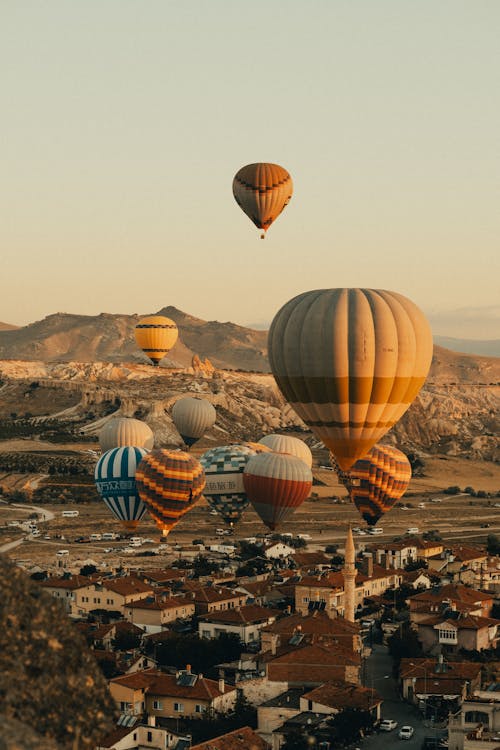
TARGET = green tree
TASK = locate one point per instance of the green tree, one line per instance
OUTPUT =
(493, 544)
(350, 724)
(126, 641)
(296, 740)
(404, 644)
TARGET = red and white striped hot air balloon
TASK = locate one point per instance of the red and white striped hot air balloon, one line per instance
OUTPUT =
(276, 484)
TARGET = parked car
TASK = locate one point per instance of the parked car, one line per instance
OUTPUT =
(485, 525)
(406, 732)
(387, 725)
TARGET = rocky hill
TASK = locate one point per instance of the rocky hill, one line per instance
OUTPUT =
(110, 338)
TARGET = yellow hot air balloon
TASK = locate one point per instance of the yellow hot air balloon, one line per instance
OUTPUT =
(262, 191)
(350, 362)
(156, 335)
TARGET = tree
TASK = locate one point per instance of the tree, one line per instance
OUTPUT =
(493, 544)
(296, 740)
(125, 640)
(416, 565)
(350, 724)
(202, 653)
(404, 644)
(88, 570)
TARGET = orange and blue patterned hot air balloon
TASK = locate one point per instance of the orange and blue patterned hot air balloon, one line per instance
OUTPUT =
(276, 484)
(262, 191)
(170, 483)
(377, 481)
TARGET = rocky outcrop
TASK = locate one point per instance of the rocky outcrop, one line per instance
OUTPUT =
(51, 689)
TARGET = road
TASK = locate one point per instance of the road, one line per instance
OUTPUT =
(43, 515)
(378, 675)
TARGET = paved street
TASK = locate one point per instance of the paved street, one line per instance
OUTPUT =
(378, 675)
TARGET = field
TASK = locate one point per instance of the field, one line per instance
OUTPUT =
(325, 516)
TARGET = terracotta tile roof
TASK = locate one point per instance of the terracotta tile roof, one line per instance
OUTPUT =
(320, 655)
(127, 585)
(257, 588)
(316, 622)
(250, 613)
(344, 695)
(160, 603)
(452, 592)
(70, 584)
(311, 558)
(314, 664)
(328, 580)
(458, 670)
(212, 594)
(378, 573)
(241, 739)
(164, 575)
(158, 683)
(464, 553)
(390, 546)
(115, 736)
(463, 622)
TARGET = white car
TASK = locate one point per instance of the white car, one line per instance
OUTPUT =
(387, 725)
(406, 733)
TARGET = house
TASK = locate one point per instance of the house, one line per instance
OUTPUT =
(63, 589)
(132, 734)
(394, 554)
(105, 635)
(153, 613)
(271, 714)
(213, 598)
(314, 627)
(278, 550)
(245, 622)
(240, 739)
(307, 562)
(454, 561)
(452, 630)
(110, 594)
(427, 548)
(313, 664)
(333, 697)
(456, 596)
(184, 694)
(476, 726)
(163, 577)
(432, 680)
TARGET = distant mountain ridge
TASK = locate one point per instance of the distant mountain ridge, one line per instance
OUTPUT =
(107, 337)
(485, 348)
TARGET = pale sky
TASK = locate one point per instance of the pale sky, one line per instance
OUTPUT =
(124, 121)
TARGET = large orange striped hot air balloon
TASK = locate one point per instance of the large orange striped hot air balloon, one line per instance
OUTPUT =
(378, 480)
(169, 483)
(156, 335)
(276, 484)
(350, 362)
(262, 191)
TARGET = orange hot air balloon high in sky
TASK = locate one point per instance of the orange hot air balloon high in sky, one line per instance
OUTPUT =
(156, 335)
(170, 483)
(350, 362)
(262, 191)
(276, 484)
(378, 480)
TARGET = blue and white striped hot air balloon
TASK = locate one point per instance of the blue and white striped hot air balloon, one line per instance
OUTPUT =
(115, 481)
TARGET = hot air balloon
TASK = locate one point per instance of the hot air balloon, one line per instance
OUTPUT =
(377, 480)
(224, 490)
(276, 484)
(115, 481)
(350, 362)
(256, 447)
(262, 191)
(121, 431)
(170, 483)
(288, 444)
(192, 418)
(156, 335)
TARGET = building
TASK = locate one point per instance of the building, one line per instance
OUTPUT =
(184, 694)
(333, 697)
(312, 665)
(63, 589)
(452, 630)
(349, 573)
(153, 613)
(240, 739)
(245, 622)
(132, 734)
(453, 596)
(314, 627)
(394, 554)
(213, 598)
(476, 726)
(110, 594)
(433, 681)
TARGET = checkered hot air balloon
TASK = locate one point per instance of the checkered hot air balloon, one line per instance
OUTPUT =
(224, 490)
(170, 483)
(276, 484)
(115, 481)
(262, 191)
(377, 481)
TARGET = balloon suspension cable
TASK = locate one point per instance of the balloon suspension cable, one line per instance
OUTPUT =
(343, 476)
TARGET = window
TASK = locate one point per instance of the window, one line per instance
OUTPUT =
(179, 707)
(110, 601)
(150, 736)
(198, 709)
(205, 633)
(305, 599)
(157, 705)
(251, 636)
(477, 717)
(449, 636)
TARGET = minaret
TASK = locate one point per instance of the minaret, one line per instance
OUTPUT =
(349, 572)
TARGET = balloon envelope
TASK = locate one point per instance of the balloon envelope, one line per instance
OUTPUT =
(224, 489)
(115, 481)
(288, 444)
(192, 418)
(276, 485)
(262, 191)
(378, 480)
(156, 335)
(350, 362)
(121, 431)
(170, 483)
